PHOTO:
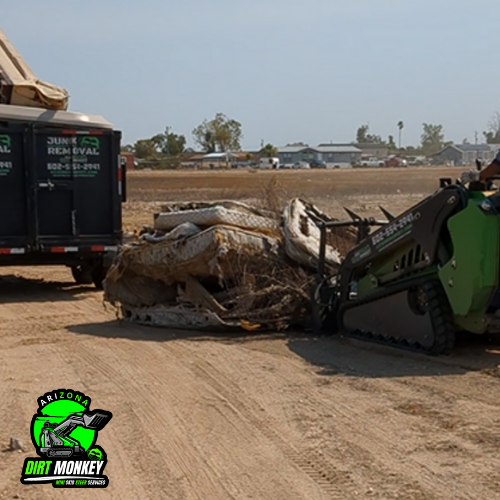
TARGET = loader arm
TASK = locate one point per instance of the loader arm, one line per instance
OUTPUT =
(95, 421)
(66, 427)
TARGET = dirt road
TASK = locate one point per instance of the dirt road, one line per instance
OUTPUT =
(279, 417)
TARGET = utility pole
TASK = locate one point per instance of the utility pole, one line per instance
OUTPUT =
(167, 134)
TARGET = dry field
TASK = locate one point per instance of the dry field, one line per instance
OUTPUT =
(275, 416)
(360, 189)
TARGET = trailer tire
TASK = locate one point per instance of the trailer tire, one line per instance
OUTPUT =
(82, 274)
(98, 275)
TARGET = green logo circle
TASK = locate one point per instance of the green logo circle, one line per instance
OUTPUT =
(57, 412)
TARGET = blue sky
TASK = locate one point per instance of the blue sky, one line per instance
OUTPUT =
(295, 70)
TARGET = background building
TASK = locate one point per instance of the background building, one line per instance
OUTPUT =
(330, 154)
(372, 149)
(129, 159)
(466, 154)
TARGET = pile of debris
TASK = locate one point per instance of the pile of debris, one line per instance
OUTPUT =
(223, 265)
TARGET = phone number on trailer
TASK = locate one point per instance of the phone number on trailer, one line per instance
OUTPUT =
(76, 166)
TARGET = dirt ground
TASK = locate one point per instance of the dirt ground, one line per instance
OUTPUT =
(269, 416)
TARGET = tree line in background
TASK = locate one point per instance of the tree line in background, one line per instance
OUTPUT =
(432, 140)
(222, 134)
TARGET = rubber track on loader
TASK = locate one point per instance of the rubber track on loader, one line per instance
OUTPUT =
(439, 312)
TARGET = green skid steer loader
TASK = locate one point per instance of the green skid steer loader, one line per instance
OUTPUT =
(415, 280)
(55, 439)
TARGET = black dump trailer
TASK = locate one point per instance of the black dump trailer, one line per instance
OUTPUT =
(62, 185)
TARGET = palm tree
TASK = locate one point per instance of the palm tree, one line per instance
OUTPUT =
(400, 127)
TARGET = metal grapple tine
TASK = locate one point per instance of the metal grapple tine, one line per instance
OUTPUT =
(388, 214)
(352, 215)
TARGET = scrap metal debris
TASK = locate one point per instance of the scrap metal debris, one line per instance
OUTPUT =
(223, 265)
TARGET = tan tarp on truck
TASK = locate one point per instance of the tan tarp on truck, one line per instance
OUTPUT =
(19, 85)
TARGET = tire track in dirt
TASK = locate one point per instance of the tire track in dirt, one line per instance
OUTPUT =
(30, 323)
(234, 418)
(245, 416)
(468, 418)
(331, 480)
(128, 423)
(320, 460)
(369, 449)
(389, 467)
(151, 418)
(441, 429)
(463, 404)
(126, 479)
(310, 459)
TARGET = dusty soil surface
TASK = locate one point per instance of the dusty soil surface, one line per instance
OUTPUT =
(283, 416)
